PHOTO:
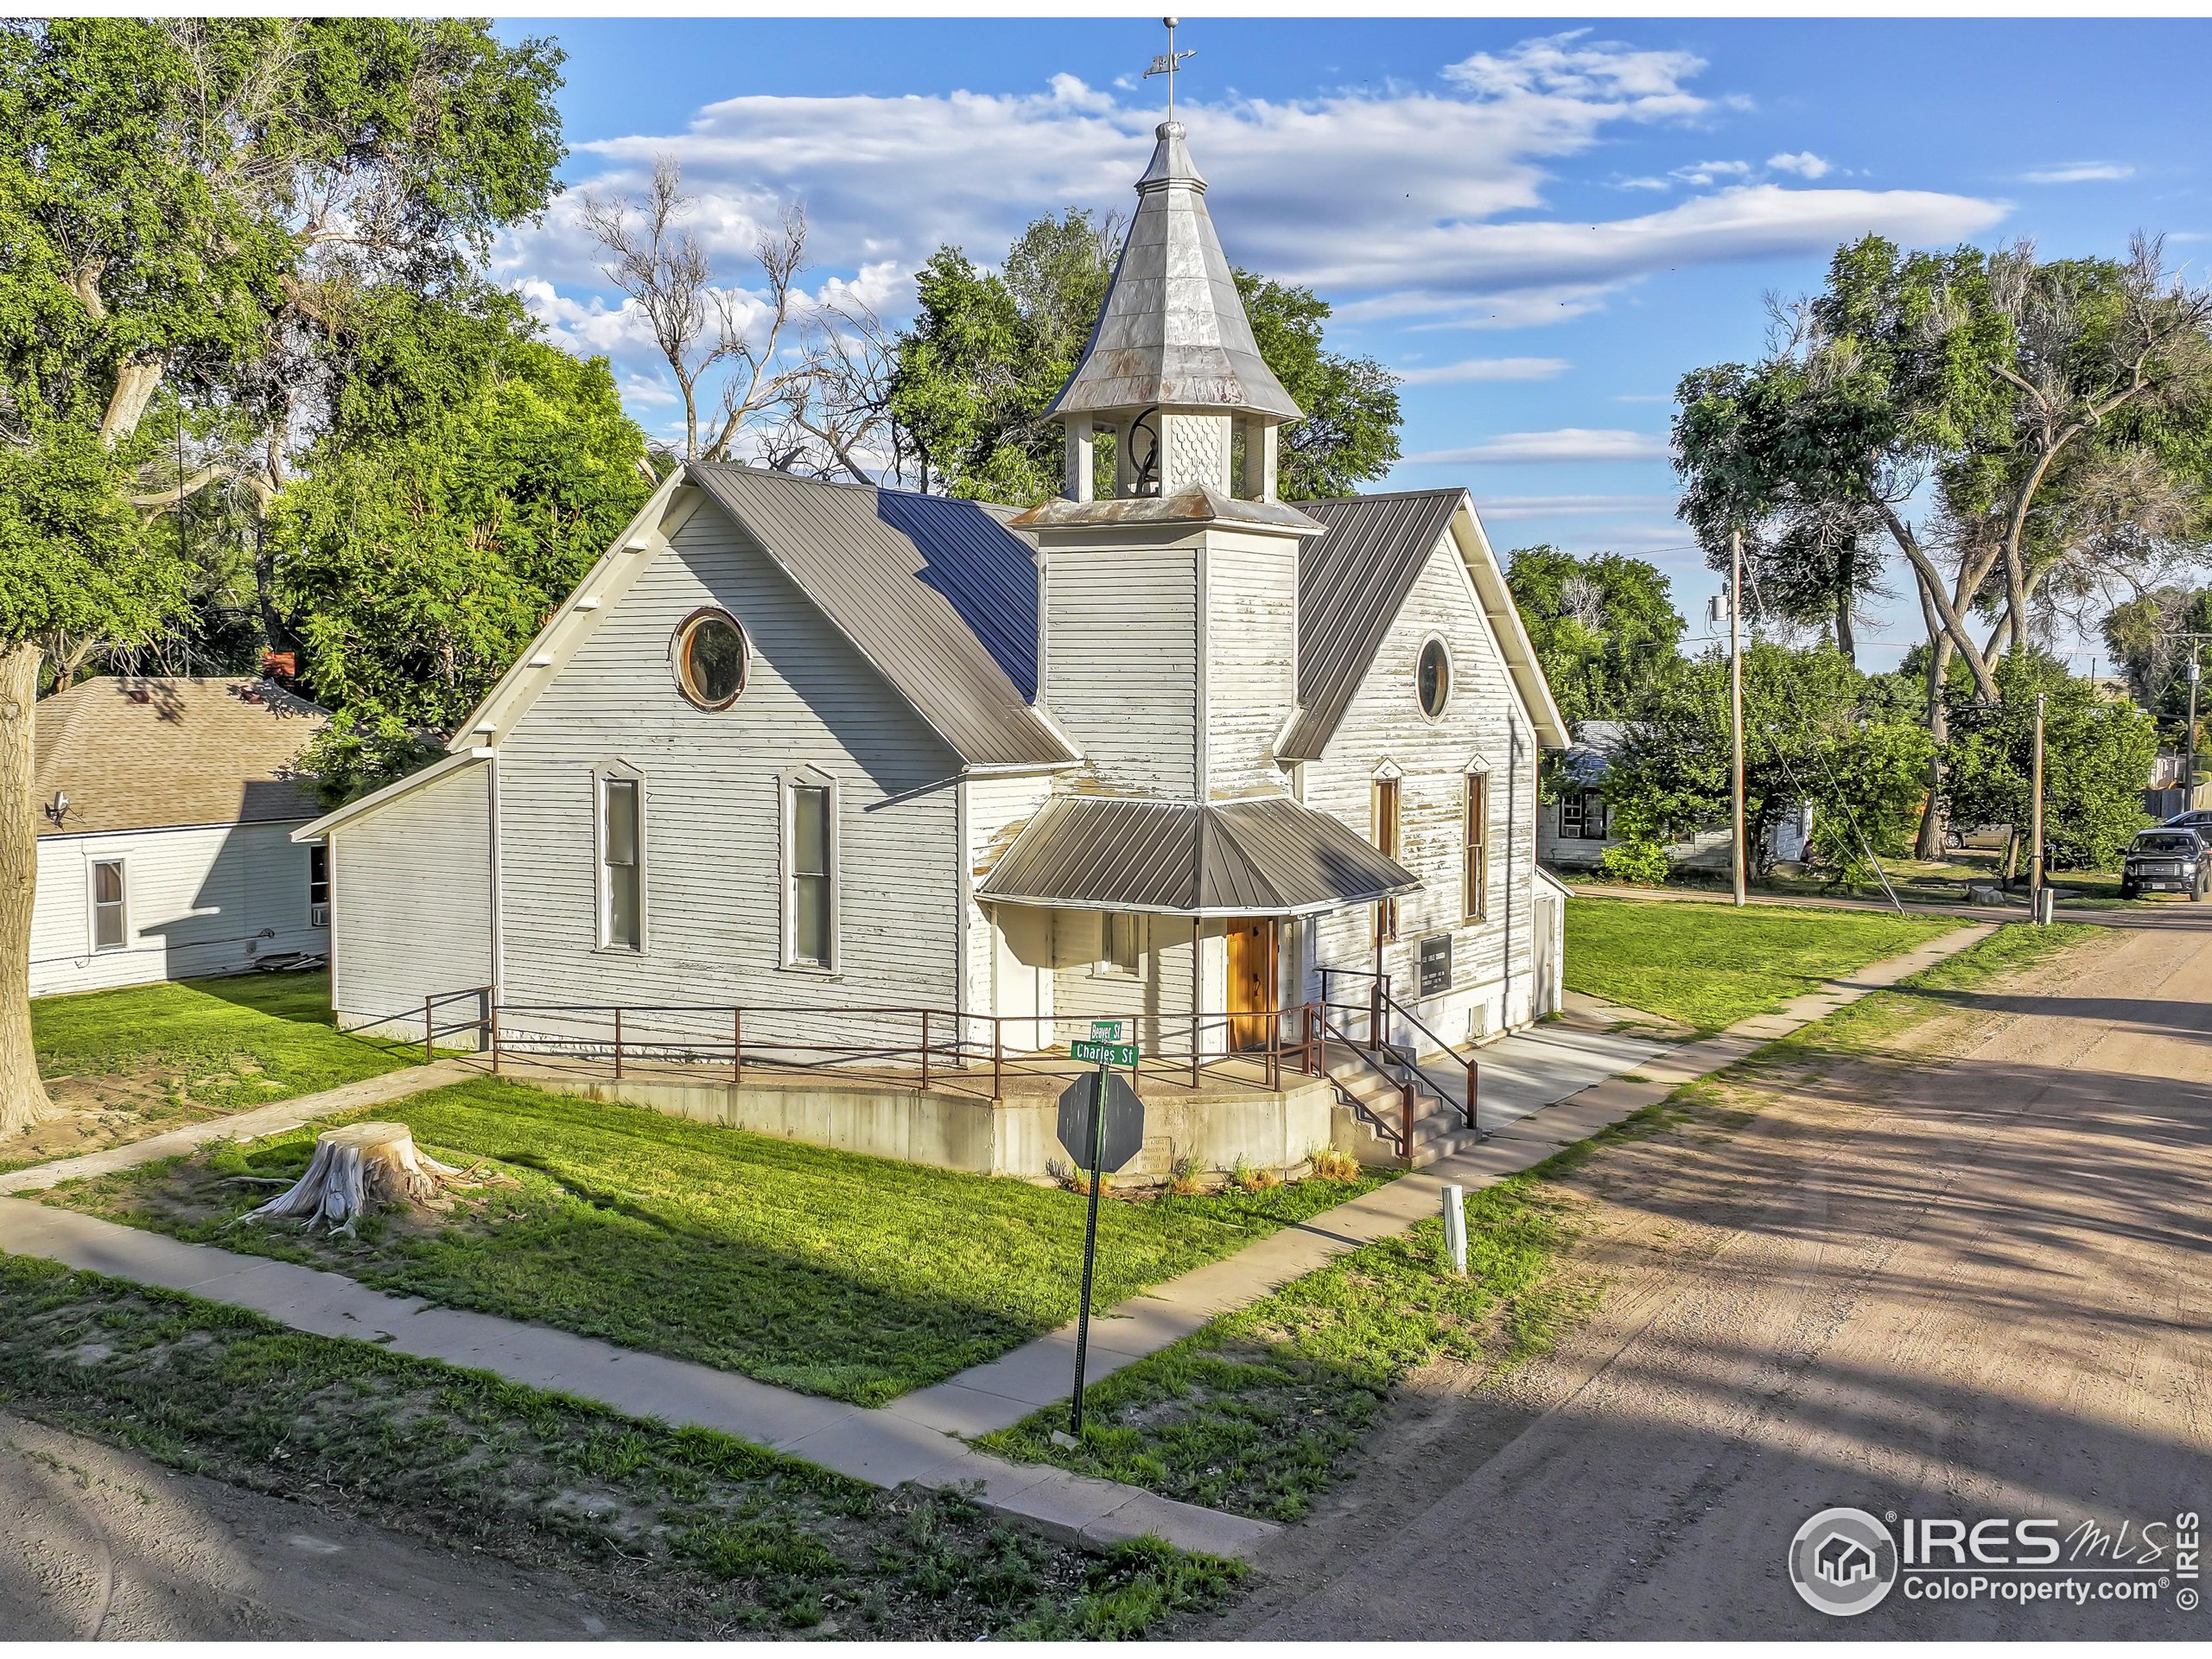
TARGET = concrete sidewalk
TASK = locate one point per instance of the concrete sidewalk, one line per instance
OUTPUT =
(918, 1437)
(880, 1447)
(272, 1119)
(1005, 1391)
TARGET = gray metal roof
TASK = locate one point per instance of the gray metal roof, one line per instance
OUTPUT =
(1267, 857)
(937, 593)
(1172, 330)
(1351, 584)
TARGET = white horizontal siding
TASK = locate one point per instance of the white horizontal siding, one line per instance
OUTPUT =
(1384, 723)
(411, 903)
(196, 903)
(1121, 673)
(1251, 659)
(714, 927)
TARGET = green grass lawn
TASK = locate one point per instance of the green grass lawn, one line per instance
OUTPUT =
(1264, 1407)
(123, 1064)
(1708, 966)
(694, 1531)
(825, 1271)
(1942, 882)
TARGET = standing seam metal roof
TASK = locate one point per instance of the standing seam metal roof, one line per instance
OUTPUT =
(1351, 584)
(937, 593)
(1172, 330)
(1263, 857)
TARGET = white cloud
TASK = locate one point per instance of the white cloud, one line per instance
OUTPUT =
(1485, 368)
(1711, 173)
(1750, 222)
(1565, 443)
(1457, 239)
(1505, 507)
(2080, 173)
(1804, 163)
(1568, 66)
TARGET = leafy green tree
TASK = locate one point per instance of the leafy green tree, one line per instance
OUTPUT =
(2059, 408)
(989, 352)
(186, 206)
(1604, 625)
(417, 565)
(2146, 636)
(1349, 432)
(2096, 759)
(1817, 733)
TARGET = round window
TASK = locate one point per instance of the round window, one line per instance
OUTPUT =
(711, 658)
(1434, 678)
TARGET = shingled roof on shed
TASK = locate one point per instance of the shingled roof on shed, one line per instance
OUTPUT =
(1267, 857)
(156, 753)
(936, 593)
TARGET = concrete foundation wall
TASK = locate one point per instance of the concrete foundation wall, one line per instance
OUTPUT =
(1019, 1137)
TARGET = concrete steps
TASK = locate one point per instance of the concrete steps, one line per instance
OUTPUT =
(1440, 1128)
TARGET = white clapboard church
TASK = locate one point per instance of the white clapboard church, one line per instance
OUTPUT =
(1182, 753)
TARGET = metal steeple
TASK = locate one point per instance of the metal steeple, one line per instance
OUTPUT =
(1172, 332)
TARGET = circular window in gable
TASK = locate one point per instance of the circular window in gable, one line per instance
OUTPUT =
(711, 658)
(1433, 680)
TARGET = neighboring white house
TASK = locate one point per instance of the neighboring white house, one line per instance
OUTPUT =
(1575, 831)
(1164, 754)
(166, 808)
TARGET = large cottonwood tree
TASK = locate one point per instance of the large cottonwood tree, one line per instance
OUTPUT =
(2016, 429)
(192, 211)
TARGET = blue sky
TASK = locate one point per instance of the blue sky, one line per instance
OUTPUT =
(1542, 225)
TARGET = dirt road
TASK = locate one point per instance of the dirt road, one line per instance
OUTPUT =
(95, 1542)
(1966, 1282)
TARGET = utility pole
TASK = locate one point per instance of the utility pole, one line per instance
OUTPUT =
(2034, 821)
(1736, 700)
(2189, 767)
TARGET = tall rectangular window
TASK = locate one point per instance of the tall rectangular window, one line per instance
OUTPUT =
(1475, 876)
(1121, 942)
(621, 842)
(319, 884)
(1386, 843)
(813, 900)
(107, 904)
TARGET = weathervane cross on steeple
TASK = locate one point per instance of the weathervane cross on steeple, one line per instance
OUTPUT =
(1166, 64)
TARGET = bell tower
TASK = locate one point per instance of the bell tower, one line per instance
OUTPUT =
(1169, 607)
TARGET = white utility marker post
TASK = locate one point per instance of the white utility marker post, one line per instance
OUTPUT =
(1455, 1228)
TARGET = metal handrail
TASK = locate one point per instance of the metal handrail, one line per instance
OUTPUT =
(1403, 1135)
(1473, 1067)
(1381, 998)
(936, 1052)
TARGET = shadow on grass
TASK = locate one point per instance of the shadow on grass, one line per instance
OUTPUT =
(823, 1271)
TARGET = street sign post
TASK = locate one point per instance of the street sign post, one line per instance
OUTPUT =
(1101, 1126)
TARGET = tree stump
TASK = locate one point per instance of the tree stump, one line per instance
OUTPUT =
(353, 1168)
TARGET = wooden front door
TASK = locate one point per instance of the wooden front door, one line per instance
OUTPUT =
(1251, 981)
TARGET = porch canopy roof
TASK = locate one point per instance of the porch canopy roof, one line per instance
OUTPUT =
(1271, 857)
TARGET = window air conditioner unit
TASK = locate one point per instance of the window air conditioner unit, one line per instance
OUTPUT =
(1478, 1022)
(318, 915)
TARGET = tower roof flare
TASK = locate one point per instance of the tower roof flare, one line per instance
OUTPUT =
(1172, 332)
